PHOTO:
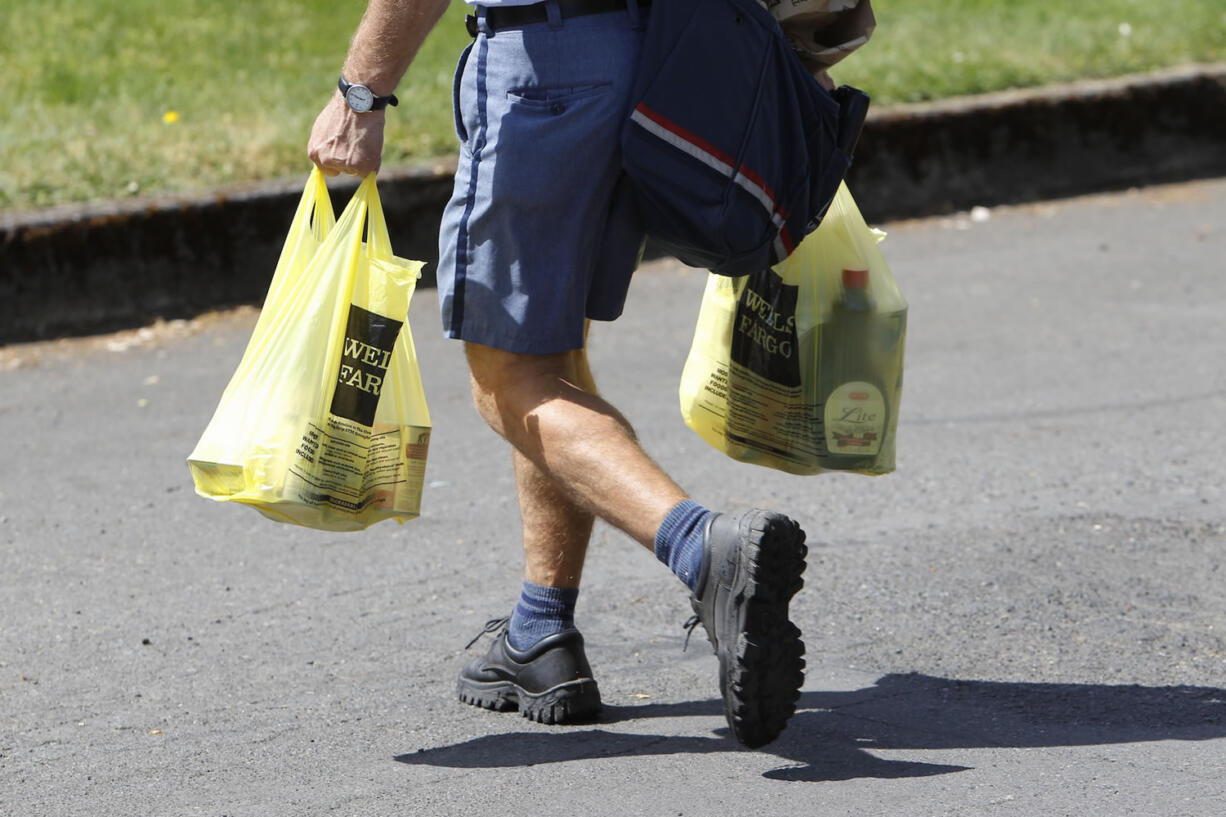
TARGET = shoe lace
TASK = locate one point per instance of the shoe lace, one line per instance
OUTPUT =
(494, 625)
(689, 626)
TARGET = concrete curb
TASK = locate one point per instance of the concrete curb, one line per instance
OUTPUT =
(1030, 145)
(67, 271)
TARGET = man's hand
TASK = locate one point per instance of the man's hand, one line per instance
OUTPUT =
(388, 37)
(343, 141)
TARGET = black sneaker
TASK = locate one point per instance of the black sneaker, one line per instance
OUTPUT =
(752, 569)
(549, 683)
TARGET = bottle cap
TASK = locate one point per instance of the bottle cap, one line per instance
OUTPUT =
(855, 278)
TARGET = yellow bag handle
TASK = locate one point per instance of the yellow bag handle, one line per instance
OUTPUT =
(316, 197)
(378, 241)
(314, 213)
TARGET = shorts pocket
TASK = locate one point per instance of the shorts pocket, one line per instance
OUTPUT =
(457, 114)
(552, 140)
(555, 100)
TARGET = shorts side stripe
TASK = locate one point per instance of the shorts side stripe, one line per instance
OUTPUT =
(462, 254)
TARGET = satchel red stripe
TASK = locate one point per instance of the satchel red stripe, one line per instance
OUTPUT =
(713, 157)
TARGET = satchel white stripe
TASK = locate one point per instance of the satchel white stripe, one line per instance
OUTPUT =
(755, 190)
(710, 160)
(685, 146)
(716, 163)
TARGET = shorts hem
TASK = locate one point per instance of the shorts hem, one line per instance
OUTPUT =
(517, 345)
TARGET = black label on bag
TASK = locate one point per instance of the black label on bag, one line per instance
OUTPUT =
(764, 337)
(365, 357)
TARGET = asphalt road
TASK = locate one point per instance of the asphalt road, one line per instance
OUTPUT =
(1028, 618)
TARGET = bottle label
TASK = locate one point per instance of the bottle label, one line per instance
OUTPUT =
(855, 419)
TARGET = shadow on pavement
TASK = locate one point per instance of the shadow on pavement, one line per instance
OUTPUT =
(832, 732)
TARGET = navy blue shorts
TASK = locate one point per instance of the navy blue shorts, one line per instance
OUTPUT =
(539, 233)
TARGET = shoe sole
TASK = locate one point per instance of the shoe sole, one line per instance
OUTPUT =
(572, 702)
(762, 673)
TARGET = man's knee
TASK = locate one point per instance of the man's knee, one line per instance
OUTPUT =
(506, 386)
(486, 380)
(498, 371)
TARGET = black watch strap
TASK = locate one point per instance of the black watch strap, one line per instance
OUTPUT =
(377, 103)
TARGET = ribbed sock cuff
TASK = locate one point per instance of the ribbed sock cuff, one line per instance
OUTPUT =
(678, 542)
(541, 611)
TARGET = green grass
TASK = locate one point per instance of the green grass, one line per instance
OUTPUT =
(90, 83)
(931, 49)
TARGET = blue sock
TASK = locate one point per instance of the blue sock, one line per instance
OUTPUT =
(679, 541)
(541, 611)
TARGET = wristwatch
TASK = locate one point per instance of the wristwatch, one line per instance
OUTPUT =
(361, 99)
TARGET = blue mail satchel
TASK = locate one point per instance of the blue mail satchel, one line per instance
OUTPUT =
(734, 149)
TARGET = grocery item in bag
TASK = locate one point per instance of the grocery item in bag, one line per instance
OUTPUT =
(799, 367)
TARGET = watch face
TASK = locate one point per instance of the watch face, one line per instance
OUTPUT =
(359, 98)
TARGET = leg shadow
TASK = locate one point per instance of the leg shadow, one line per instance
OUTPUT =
(831, 736)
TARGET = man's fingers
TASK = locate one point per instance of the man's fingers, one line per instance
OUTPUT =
(334, 160)
(330, 163)
(352, 166)
(344, 142)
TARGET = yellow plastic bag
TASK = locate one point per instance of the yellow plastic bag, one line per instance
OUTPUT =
(799, 367)
(324, 424)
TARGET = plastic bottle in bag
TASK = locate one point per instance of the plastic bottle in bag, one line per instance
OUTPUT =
(859, 351)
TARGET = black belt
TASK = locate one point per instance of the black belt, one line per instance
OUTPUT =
(497, 17)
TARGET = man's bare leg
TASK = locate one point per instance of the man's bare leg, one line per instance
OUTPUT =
(575, 458)
(542, 405)
(555, 530)
(578, 457)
